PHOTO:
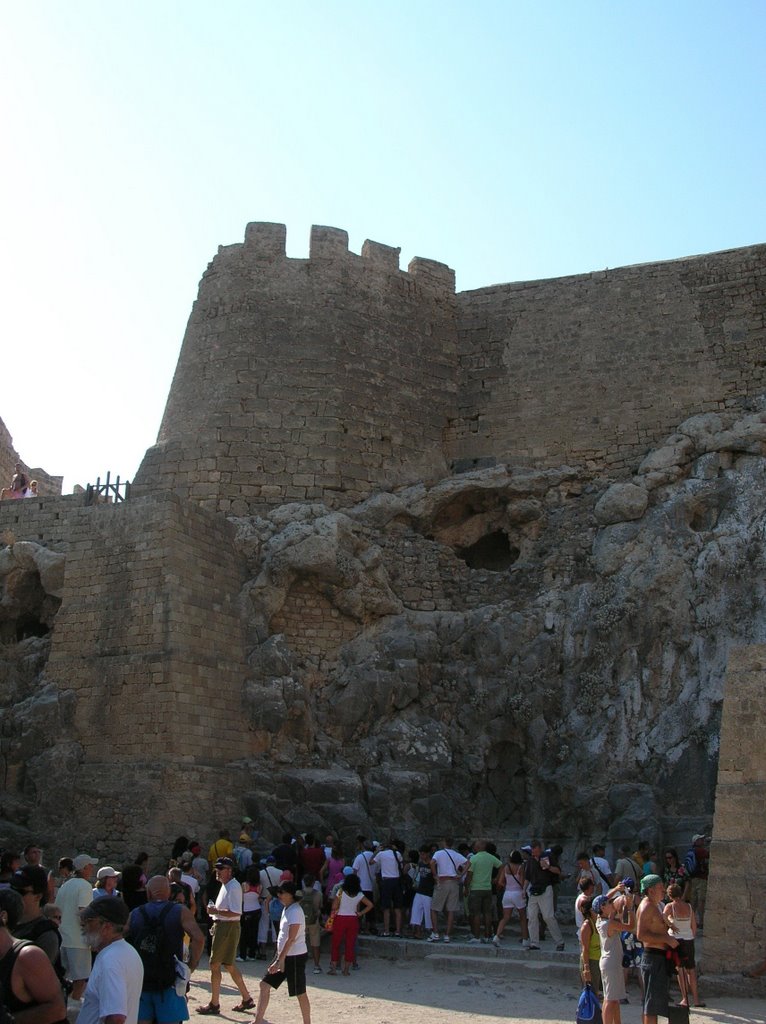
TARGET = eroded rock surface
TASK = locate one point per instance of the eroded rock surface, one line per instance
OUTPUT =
(510, 648)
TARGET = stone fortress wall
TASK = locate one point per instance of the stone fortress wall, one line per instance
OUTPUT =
(200, 666)
(332, 377)
(307, 379)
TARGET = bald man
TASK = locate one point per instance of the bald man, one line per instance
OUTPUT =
(159, 1000)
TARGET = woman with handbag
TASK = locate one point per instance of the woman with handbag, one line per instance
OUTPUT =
(511, 882)
(349, 905)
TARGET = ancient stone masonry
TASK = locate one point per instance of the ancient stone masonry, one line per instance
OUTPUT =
(410, 559)
(308, 379)
(332, 377)
(736, 928)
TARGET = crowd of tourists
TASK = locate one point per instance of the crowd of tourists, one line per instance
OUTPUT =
(150, 931)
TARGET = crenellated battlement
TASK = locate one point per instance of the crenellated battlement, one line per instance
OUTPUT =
(332, 376)
(266, 243)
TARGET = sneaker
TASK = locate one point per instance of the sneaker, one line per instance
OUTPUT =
(495, 940)
(524, 943)
(317, 970)
(240, 959)
(473, 941)
(434, 937)
(446, 938)
(560, 947)
(530, 946)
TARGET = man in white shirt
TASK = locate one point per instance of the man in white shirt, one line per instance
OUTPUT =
(114, 987)
(187, 875)
(602, 871)
(73, 896)
(226, 913)
(448, 867)
(389, 862)
(366, 871)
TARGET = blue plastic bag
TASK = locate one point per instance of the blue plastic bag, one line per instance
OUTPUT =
(588, 1007)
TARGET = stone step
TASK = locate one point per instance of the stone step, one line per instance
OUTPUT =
(518, 969)
(530, 965)
(406, 948)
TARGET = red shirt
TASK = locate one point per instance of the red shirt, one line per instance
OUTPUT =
(312, 859)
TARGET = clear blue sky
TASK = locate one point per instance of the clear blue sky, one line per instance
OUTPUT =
(511, 140)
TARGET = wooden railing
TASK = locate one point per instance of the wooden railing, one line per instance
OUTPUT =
(108, 492)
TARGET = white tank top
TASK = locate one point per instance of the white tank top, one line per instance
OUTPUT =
(511, 882)
(683, 926)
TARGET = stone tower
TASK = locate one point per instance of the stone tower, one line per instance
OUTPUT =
(298, 379)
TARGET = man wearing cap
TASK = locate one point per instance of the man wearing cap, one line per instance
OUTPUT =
(160, 1001)
(114, 988)
(73, 896)
(226, 913)
(652, 931)
(289, 963)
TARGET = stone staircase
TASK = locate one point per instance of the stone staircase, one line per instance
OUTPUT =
(513, 963)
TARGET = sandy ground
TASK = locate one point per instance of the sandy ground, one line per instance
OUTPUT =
(414, 992)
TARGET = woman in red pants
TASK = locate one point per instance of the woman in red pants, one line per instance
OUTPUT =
(348, 906)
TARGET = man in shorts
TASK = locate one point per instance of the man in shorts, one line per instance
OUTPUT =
(289, 963)
(448, 867)
(73, 897)
(389, 862)
(479, 888)
(226, 913)
(652, 931)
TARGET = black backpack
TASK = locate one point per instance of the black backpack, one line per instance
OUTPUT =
(152, 944)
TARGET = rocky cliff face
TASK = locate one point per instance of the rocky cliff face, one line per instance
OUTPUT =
(510, 649)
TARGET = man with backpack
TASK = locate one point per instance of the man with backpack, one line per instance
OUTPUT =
(156, 930)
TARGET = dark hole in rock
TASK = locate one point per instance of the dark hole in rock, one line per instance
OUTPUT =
(703, 519)
(494, 551)
(29, 625)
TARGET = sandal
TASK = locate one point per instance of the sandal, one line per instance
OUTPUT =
(246, 1004)
(211, 1010)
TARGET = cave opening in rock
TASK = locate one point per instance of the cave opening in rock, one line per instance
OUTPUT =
(30, 625)
(493, 551)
